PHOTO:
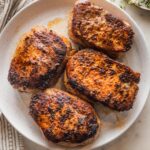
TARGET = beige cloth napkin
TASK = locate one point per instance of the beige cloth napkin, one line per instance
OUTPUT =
(10, 139)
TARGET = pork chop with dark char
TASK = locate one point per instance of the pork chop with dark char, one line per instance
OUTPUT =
(95, 77)
(39, 60)
(64, 119)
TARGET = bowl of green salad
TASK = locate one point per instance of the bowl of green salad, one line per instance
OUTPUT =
(144, 4)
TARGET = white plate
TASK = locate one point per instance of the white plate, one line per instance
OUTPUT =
(15, 105)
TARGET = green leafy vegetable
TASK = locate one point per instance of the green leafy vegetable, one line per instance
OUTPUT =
(143, 3)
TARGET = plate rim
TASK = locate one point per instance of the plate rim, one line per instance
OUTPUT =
(148, 90)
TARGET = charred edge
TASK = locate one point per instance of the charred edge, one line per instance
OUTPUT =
(118, 106)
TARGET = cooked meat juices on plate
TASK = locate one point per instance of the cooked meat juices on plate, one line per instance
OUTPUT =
(39, 59)
(95, 77)
(64, 119)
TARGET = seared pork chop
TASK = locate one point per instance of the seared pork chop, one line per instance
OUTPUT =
(94, 27)
(64, 119)
(39, 60)
(95, 77)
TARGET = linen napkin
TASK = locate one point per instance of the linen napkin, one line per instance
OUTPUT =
(10, 139)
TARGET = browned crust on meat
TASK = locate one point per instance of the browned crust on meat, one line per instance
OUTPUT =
(74, 91)
(64, 119)
(99, 78)
(39, 59)
(91, 26)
